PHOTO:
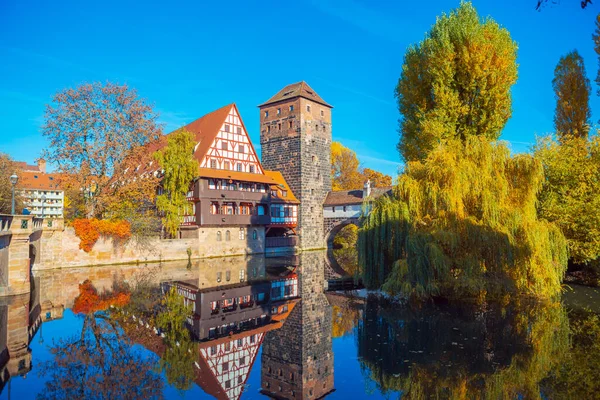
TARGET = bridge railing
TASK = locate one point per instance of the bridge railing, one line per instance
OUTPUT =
(5, 222)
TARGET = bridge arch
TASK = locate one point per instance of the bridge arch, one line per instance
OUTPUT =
(332, 227)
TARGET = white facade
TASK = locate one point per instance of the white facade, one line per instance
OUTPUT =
(347, 211)
(51, 207)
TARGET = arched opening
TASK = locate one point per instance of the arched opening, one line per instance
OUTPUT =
(341, 248)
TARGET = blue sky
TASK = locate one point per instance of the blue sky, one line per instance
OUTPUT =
(189, 58)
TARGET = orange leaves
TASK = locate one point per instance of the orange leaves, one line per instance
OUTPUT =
(90, 230)
(89, 301)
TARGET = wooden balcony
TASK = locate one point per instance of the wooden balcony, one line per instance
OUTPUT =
(188, 220)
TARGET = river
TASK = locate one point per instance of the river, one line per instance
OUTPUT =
(266, 327)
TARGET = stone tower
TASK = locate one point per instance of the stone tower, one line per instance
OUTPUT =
(297, 359)
(295, 136)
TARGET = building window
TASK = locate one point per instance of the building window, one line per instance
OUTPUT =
(314, 159)
(268, 128)
(228, 278)
(279, 126)
(279, 111)
(241, 148)
(214, 209)
(218, 236)
(227, 234)
(239, 167)
(333, 209)
(238, 130)
(260, 209)
(242, 234)
(254, 234)
(322, 113)
(308, 108)
(212, 184)
(252, 171)
(266, 114)
(224, 145)
(227, 382)
(290, 124)
(226, 127)
(213, 350)
(252, 338)
(242, 360)
(291, 108)
(219, 276)
(344, 208)
(317, 127)
(226, 165)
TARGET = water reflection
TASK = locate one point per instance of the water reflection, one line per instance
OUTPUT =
(131, 339)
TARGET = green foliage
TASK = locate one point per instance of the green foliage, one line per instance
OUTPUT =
(180, 169)
(570, 195)
(572, 92)
(7, 168)
(180, 353)
(455, 83)
(463, 222)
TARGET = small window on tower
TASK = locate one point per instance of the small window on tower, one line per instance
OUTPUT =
(279, 111)
(290, 124)
(317, 128)
(268, 128)
(322, 113)
(279, 126)
(308, 108)
(291, 108)
(226, 127)
(266, 114)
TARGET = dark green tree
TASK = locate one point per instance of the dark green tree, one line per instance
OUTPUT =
(572, 92)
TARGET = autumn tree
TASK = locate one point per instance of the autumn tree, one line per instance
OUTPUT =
(7, 168)
(92, 130)
(377, 178)
(455, 83)
(572, 92)
(569, 196)
(180, 167)
(346, 172)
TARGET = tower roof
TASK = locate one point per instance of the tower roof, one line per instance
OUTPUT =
(299, 89)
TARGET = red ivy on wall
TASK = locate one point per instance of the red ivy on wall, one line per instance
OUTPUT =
(90, 230)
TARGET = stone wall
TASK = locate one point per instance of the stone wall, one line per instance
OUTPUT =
(59, 247)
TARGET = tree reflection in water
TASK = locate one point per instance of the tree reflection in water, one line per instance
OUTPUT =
(462, 352)
(101, 361)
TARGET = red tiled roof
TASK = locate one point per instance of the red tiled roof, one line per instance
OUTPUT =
(26, 167)
(280, 181)
(347, 197)
(39, 180)
(299, 89)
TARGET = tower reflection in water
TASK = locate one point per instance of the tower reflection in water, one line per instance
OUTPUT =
(279, 304)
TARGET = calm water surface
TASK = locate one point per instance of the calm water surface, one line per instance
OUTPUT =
(297, 343)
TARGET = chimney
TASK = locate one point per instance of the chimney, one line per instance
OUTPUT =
(41, 165)
(367, 189)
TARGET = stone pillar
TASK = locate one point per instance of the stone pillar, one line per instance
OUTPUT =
(18, 256)
(50, 246)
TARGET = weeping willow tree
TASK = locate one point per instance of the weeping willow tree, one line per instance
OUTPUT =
(463, 222)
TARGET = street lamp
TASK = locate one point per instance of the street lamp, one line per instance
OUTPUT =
(43, 200)
(13, 180)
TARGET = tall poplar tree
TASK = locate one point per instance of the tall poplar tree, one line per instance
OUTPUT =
(455, 83)
(572, 92)
(180, 167)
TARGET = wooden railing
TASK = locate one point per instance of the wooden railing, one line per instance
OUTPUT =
(290, 241)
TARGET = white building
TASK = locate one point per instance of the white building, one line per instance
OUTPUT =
(41, 190)
(345, 204)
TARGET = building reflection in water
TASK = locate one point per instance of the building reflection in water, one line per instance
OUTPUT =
(276, 303)
(297, 360)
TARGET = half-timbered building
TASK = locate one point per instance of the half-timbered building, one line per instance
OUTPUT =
(233, 196)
